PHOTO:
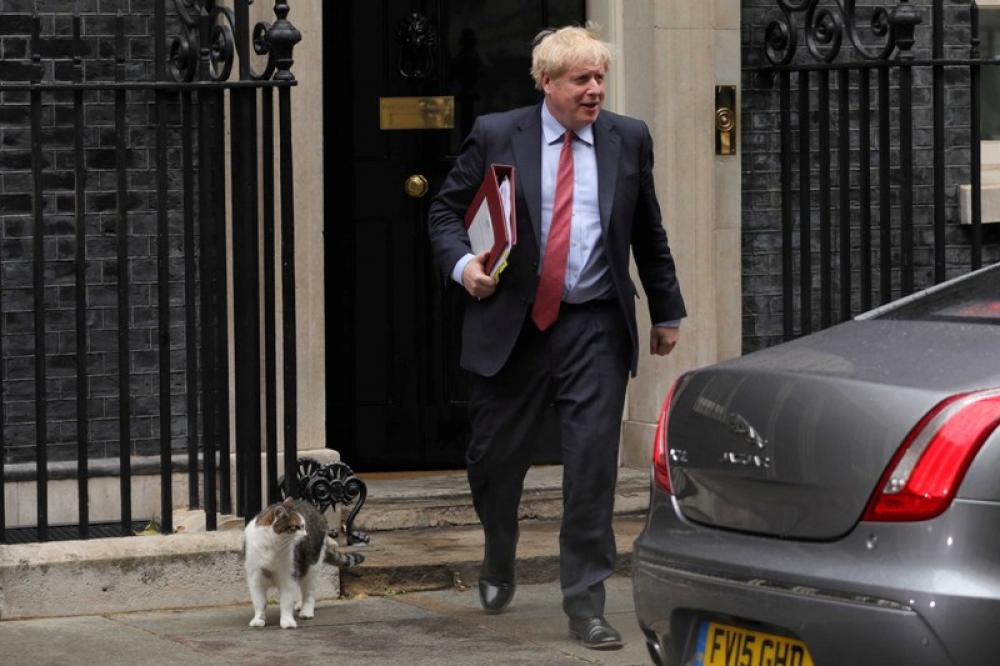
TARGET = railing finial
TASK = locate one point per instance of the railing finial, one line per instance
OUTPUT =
(905, 18)
(283, 37)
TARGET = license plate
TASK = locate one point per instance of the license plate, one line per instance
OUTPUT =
(725, 645)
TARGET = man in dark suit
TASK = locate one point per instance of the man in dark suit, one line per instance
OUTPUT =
(559, 327)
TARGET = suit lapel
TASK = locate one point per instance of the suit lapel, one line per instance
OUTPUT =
(527, 143)
(607, 144)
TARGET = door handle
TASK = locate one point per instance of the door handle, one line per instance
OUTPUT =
(725, 120)
(416, 186)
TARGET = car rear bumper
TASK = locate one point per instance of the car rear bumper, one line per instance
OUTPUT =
(904, 593)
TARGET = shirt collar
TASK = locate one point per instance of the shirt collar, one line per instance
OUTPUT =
(552, 129)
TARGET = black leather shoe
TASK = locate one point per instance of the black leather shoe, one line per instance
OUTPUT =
(495, 595)
(595, 633)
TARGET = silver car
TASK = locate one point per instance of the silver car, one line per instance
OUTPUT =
(834, 500)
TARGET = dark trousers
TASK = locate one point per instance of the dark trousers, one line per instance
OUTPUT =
(579, 366)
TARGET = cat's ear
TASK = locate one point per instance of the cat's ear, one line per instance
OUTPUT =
(289, 502)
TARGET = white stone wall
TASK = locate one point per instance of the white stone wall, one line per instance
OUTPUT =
(671, 55)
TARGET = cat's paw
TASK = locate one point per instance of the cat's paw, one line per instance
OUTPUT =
(288, 623)
(307, 614)
(257, 622)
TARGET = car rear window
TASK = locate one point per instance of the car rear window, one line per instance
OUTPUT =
(975, 299)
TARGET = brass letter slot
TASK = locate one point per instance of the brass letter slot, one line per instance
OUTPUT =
(725, 120)
(407, 113)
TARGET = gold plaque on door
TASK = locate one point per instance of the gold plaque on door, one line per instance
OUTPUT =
(409, 113)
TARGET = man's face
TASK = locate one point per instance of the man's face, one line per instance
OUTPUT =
(575, 97)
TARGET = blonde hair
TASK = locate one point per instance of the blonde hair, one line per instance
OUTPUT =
(556, 51)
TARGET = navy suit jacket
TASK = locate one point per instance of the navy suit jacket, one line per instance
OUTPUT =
(630, 218)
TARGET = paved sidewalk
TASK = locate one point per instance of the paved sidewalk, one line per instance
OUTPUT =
(415, 629)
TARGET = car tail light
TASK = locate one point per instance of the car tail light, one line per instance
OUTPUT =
(661, 452)
(925, 473)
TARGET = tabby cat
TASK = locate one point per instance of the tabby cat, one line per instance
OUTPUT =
(282, 547)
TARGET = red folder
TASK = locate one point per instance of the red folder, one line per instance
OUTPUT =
(491, 220)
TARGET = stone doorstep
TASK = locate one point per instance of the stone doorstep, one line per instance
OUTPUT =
(426, 536)
(439, 558)
(444, 500)
(127, 574)
(198, 570)
(195, 568)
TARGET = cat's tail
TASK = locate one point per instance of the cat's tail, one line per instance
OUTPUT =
(343, 560)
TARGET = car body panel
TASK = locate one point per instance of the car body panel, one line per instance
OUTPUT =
(982, 481)
(771, 453)
(791, 441)
(940, 356)
(893, 593)
(773, 459)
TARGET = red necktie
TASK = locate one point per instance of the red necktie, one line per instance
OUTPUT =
(550, 286)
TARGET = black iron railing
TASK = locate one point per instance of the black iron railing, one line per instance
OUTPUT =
(871, 239)
(193, 71)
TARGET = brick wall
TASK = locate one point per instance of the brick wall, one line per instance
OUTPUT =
(761, 165)
(16, 235)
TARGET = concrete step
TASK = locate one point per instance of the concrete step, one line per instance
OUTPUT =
(444, 557)
(442, 499)
(424, 536)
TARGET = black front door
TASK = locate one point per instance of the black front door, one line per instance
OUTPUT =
(395, 393)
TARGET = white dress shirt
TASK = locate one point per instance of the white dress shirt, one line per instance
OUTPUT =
(587, 275)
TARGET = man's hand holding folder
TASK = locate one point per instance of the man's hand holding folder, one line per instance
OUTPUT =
(492, 227)
(476, 280)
